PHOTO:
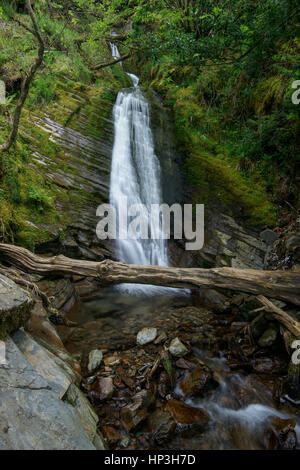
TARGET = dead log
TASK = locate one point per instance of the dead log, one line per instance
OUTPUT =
(292, 325)
(284, 285)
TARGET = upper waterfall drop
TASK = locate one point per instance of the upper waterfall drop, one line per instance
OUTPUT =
(136, 173)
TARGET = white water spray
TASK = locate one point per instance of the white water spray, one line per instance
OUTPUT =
(135, 173)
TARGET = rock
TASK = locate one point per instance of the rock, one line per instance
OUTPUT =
(146, 335)
(161, 338)
(105, 388)
(111, 434)
(32, 415)
(87, 416)
(111, 361)
(196, 381)
(213, 299)
(268, 338)
(15, 306)
(164, 383)
(186, 414)
(124, 442)
(184, 364)
(136, 412)
(161, 425)
(95, 359)
(281, 434)
(62, 290)
(259, 325)
(57, 373)
(268, 236)
(293, 242)
(39, 326)
(177, 348)
(268, 365)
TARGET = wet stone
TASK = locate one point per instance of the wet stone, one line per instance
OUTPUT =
(186, 414)
(136, 412)
(177, 348)
(146, 336)
(95, 359)
(196, 381)
(161, 425)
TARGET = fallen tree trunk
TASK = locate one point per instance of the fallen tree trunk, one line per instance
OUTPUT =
(284, 285)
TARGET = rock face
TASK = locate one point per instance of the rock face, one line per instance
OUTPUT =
(15, 306)
(41, 406)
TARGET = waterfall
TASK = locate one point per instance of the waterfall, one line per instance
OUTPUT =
(136, 173)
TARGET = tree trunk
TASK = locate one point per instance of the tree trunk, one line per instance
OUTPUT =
(284, 285)
(26, 81)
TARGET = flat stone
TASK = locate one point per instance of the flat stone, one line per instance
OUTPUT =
(161, 424)
(45, 363)
(146, 335)
(186, 414)
(95, 359)
(177, 348)
(106, 388)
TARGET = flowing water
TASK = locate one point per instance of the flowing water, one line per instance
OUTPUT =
(136, 179)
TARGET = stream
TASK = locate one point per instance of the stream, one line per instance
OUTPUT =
(233, 392)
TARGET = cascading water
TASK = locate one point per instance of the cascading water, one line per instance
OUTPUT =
(135, 174)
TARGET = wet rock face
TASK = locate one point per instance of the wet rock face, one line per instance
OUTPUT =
(15, 306)
(226, 243)
(71, 141)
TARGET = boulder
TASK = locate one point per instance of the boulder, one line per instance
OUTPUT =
(15, 304)
(32, 414)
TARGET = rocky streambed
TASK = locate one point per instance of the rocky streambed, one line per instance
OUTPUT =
(174, 373)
